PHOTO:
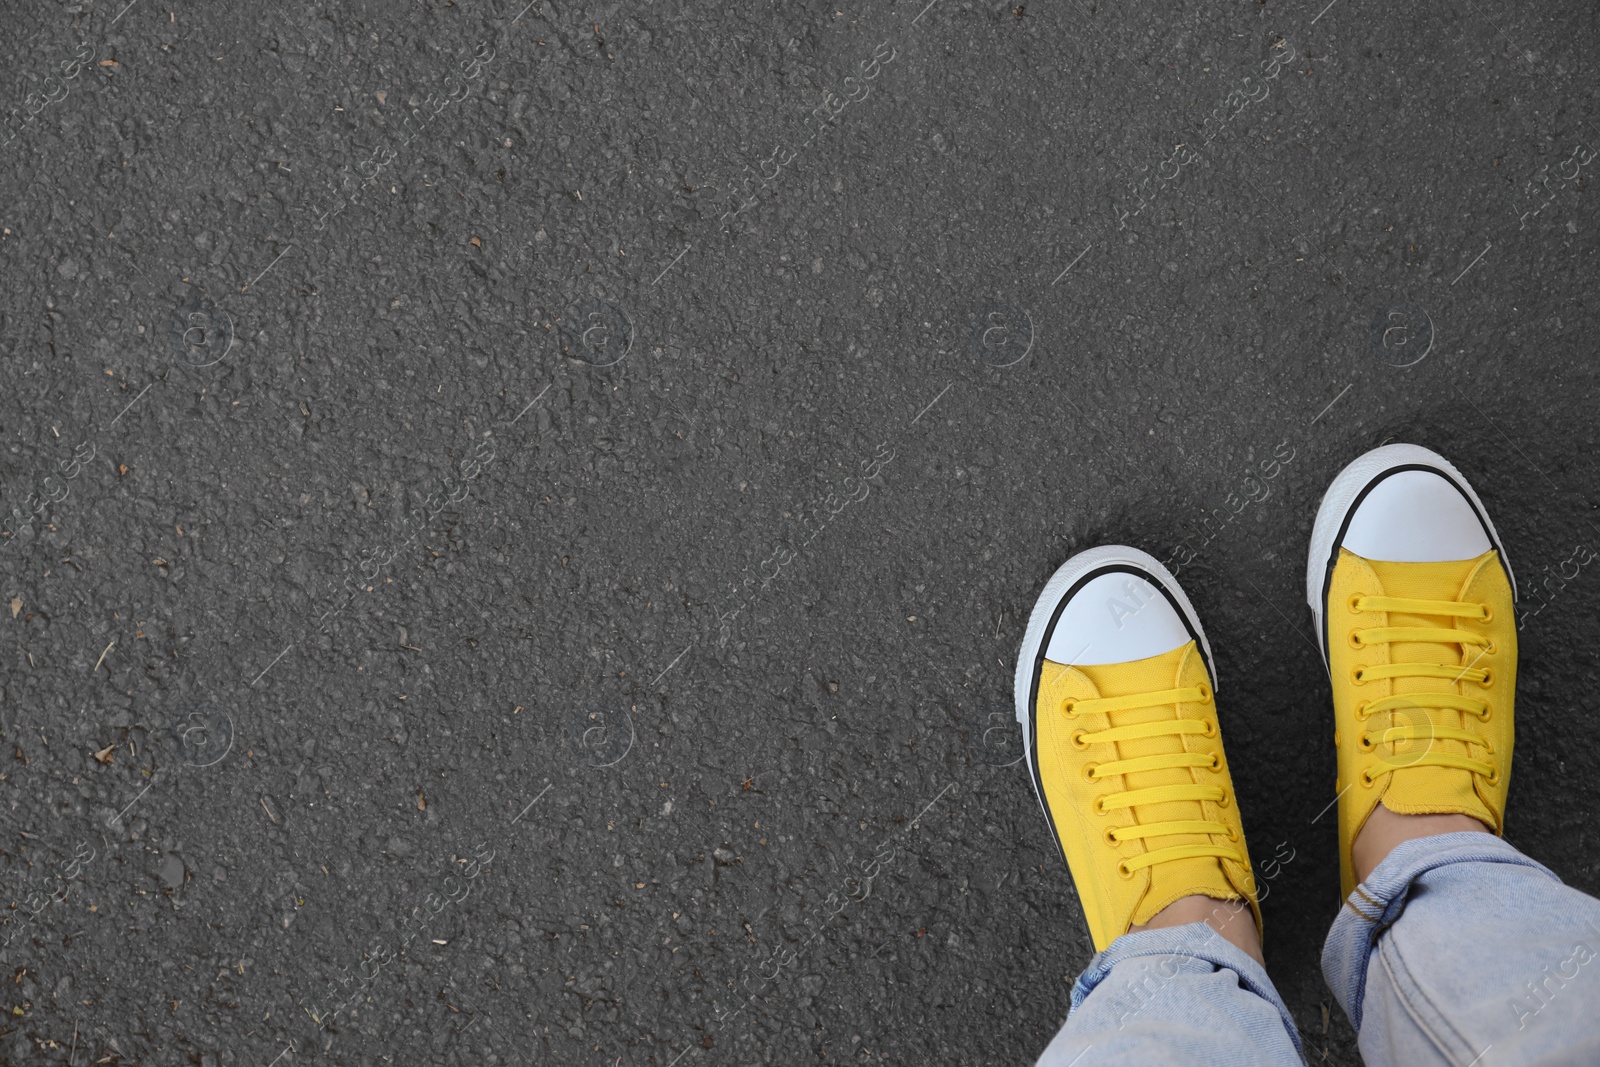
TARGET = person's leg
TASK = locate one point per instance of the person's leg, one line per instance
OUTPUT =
(1180, 995)
(1114, 694)
(1458, 949)
(1452, 947)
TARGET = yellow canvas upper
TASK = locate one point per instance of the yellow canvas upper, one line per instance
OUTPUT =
(1115, 897)
(1402, 771)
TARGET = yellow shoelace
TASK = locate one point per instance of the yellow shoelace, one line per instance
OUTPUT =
(1429, 731)
(1132, 798)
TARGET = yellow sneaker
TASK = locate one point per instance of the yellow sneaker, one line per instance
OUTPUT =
(1114, 694)
(1414, 605)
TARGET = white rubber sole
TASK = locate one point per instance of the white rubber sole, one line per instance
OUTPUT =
(1070, 574)
(1341, 498)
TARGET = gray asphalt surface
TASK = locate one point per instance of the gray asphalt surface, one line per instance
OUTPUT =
(517, 521)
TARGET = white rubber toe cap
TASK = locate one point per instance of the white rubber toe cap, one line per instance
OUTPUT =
(1403, 504)
(1111, 604)
(1116, 618)
(1416, 516)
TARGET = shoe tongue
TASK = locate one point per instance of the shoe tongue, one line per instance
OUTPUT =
(1179, 668)
(1415, 790)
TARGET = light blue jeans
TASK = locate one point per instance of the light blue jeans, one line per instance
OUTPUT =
(1457, 950)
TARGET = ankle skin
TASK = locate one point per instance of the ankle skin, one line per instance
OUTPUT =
(1384, 830)
(1230, 918)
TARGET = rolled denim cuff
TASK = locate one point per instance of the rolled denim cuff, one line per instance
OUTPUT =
(1379, 902)
(1181, 945)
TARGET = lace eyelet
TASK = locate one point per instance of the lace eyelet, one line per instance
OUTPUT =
(1099, 806)
(1067, 707)
(1078, 741)
(1488, 650)
(1354, 610)
(1089, 770)
(1210, 730)
(1367, 781)
(1233, 835)
(1362, 715)
(1355, 639)
(1205, 693)
(1124, 870)
(1488, 678)
(1216, 762)
(1357, 675)
(1365, 743)
(1483, 716)
(1488, 613)
(1111, 836)
(1493, 777)
(1225, 802)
